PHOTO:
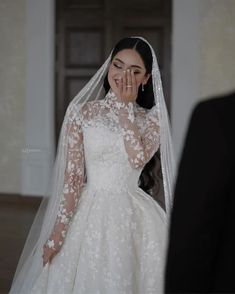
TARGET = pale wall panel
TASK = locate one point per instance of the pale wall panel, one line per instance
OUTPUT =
(12, 92)
(217, 52)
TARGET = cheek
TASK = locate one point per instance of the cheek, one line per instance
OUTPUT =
(139, 80)
(112, 72)
(109, 75)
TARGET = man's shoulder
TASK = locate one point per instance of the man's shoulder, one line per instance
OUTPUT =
(219, 106)
(217, 112)
(218, 102)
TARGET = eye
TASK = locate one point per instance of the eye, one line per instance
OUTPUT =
(116, 65)
(136, 72)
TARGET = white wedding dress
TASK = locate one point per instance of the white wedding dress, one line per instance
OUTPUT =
(115, 233)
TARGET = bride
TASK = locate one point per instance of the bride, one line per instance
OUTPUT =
(99, 231)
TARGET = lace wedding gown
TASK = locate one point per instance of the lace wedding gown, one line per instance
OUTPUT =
(115, 233)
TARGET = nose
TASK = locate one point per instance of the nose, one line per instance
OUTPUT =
(125, 70)
(122, 73)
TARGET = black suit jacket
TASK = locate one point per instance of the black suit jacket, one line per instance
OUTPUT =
(201, 251)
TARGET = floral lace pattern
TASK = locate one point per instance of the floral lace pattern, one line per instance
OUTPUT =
(73, 180)
(115, 241)
(140, 130)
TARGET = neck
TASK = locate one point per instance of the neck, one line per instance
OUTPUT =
(111, 95)
(112, 98)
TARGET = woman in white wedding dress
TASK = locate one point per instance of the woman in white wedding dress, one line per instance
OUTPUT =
(100, 232)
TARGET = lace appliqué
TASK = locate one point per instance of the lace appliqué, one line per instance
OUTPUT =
(140, 130)
(140, 146)
(73, 179)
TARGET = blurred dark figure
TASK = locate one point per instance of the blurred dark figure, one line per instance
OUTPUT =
(201, 251)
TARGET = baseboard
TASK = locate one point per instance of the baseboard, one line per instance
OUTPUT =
(17, 199)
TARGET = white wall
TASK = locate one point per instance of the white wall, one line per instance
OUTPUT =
(38, 152)
(26, 95)
(203, 55)
(185, 66)
(12, 93)
(217, 54)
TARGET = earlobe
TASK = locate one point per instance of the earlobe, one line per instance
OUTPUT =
(146, 79)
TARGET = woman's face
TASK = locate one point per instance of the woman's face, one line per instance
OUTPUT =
(123, 60)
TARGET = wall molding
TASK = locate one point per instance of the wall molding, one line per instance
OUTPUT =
(17, 199)
(38, 152)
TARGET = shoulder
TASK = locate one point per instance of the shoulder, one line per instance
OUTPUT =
(146, 118)
(146, 111)
(225, 102)
(213, 116)
(220, 112)
(148, 114)
(90, 105)
(90, 109)
(219, 108)
(82, 110)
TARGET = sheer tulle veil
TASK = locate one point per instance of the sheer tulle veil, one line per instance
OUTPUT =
(30, 263)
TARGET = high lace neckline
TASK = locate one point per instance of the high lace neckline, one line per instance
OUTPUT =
(111, 97)
(112, 100)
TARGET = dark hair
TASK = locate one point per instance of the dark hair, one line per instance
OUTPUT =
(144, 99)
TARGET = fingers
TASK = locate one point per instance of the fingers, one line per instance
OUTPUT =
(118, 90)
(124, 83)
(48, 259)
(131, 85)
(127, 86)
(128, 82)
(48, 255)
(120, 87)
(134, 84)
(45, 259)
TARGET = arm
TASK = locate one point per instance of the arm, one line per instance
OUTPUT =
(139, 147)
(73, 180)
(199, 205)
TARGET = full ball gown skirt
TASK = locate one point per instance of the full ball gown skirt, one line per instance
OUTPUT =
(116, 240)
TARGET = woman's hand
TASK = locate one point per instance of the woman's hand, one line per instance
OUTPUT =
(127, 90)
(49, 251)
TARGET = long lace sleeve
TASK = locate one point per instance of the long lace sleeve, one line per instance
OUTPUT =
(140, 146)
(73, 180)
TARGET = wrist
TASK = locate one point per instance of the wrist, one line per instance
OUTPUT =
(125, 105)
(50, 243)
(126, 110)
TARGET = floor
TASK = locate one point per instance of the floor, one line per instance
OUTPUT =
(16, 217)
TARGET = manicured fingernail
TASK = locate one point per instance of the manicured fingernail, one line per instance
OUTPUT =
(128, 70)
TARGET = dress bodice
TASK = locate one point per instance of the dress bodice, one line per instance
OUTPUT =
(107, 164)
(106, 159)
(108, 144)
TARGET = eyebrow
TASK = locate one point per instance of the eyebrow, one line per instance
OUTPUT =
(131, 65)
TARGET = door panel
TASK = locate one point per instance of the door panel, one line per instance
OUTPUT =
(86, 31)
